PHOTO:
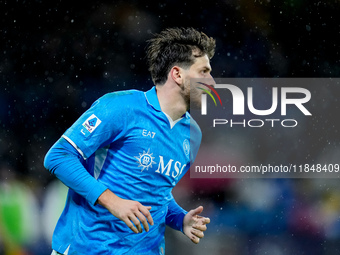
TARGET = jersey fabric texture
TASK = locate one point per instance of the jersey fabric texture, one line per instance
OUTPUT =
(134, 149)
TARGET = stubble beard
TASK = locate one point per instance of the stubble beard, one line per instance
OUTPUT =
(191, 96)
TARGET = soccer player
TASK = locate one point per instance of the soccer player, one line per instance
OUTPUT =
(123, 156)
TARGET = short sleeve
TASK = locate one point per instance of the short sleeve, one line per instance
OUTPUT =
(103, 123)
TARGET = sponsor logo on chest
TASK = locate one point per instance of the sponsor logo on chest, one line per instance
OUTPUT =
(171, 168)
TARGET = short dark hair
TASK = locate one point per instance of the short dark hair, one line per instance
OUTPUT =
(176, 46)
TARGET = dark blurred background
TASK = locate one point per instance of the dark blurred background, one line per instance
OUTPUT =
(58, 57)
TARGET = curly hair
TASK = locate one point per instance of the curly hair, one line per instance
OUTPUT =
(176, 46)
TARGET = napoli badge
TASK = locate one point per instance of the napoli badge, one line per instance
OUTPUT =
(186, 147)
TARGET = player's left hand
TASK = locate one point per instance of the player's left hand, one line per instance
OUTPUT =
(194, 225)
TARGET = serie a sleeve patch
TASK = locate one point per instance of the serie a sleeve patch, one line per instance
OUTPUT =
(90, 124)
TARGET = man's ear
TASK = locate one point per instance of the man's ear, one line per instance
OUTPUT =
(176, 74)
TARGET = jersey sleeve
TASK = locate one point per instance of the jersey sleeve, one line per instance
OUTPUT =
(102, 124)
(175, 215)
(65, 162)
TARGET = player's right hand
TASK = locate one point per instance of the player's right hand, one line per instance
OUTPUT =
(132, 213)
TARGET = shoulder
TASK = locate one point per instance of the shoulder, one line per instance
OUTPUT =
(123, 98)
(122, 95)
(194, 127)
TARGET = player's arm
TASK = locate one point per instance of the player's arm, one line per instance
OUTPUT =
(175, 215)
(64, 161)
(190, 223)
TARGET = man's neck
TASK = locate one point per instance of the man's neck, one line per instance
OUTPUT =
(171, 101)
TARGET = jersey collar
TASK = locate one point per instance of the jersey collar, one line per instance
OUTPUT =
(152, 99)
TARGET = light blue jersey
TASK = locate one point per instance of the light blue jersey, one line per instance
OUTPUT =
(131, 147)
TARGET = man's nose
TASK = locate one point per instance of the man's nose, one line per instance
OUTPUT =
(211, 81)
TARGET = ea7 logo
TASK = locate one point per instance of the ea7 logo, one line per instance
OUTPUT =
(238, 100)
